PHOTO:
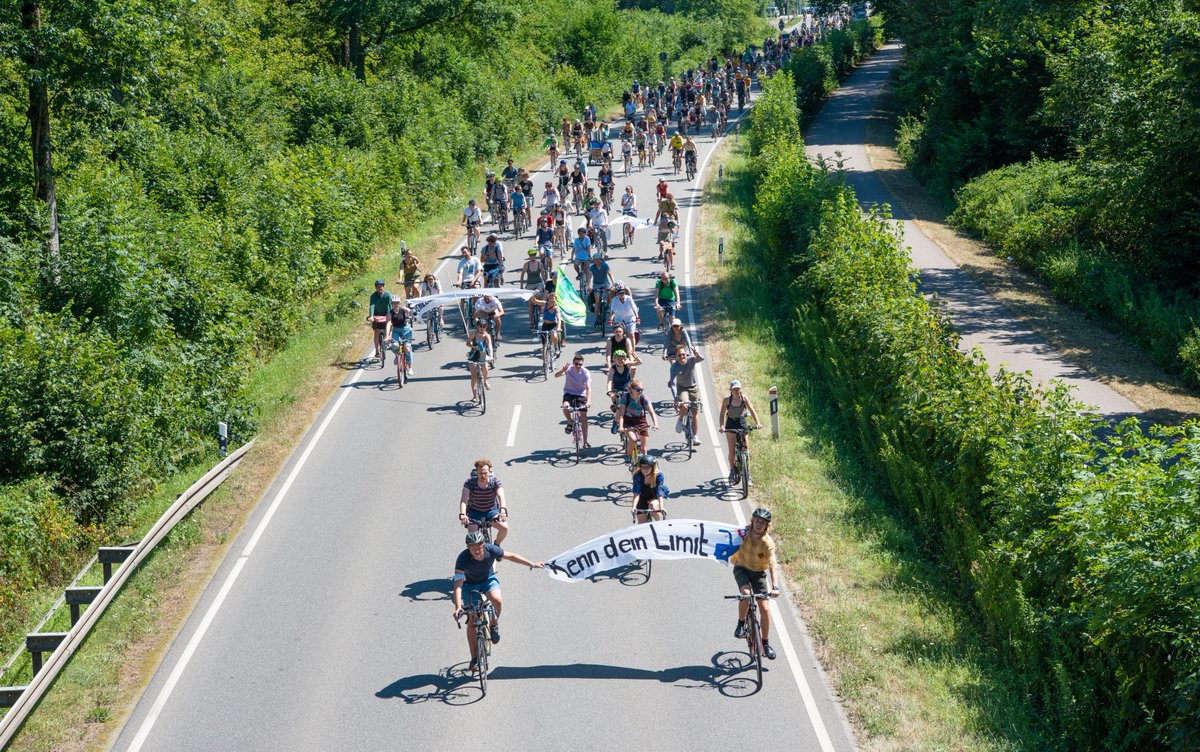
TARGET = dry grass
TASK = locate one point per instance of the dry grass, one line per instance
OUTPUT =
(895, 639)
(1113, 359)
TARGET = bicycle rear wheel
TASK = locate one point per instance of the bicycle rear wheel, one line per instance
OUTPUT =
(754, 644)
(744, 464)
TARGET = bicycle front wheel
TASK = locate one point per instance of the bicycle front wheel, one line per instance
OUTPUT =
(754, 643)
(481, 651)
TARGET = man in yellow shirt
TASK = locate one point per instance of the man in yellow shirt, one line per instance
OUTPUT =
(751, 563)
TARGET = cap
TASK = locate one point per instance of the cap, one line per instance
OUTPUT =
(676, 322)
(378, 282)
(735, 384)
(532, 251)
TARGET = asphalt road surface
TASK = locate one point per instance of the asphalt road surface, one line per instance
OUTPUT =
(329, 627)
(840, 130)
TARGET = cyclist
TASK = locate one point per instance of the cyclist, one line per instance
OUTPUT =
(519, 206)
(649, 490)
(676, 146)
(751, 563)
(577, 392)
(620, 341)
(605, 179)
(482, 500)
(683, 384)
(619, 376)
(551, 320)
(533, 274)
(475, 572)
(629, 202)
(733, 417)
(564, 176)
(509, 175)
(399, 331)
(469, 269)
(550, 197)
(551, 146)
(581, 252)
(599, 277)
(543, 238)
(662, 189)
(626, 152)
(689, 151)
(666, 292)
(487, 309)
(471, 219)
(378, 309)
(410, 271)
(623, 309)
(578, 184)
(431, 286)
(598, 219)
(677, 337)
(632, 412)
(492, 256)
(479, 352)
(525, 183)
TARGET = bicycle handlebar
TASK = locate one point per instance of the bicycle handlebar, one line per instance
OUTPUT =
(755, 596)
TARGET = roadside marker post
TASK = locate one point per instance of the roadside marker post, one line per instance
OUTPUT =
(774, 392)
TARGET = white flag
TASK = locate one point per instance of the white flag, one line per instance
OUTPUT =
(666, 539)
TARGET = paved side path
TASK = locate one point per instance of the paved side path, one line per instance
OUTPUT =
(983, 321)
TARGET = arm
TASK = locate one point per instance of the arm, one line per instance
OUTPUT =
(513, 556)
(501, 502)
(721, 419)
(462, 504)
(456, 596)
(650, 411)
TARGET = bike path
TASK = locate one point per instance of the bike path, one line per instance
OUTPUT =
(329, 624)
(839, 132)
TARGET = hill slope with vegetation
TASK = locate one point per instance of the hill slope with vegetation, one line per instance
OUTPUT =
(1066, 133)
(181, 182)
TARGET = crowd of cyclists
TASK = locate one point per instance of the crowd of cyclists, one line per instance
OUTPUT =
(659, 118)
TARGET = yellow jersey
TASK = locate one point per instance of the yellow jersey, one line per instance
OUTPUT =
(756, 556)
(676, 141)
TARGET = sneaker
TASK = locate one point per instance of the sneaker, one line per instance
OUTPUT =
(613, 428)
(768, 651)
(695, 441)
(679, 425)
(474, 667)
(740, 632)
(495, 630)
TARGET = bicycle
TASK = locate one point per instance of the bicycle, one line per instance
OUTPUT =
(380, 345)
(691, 167)
(740, 472)
(675, 161)
(481, 614)
(520, 224)
(502, 216)
(599, 237)
(627, 229)
(686, 417)
(753, 630)
(472, 237)
(483, 526)
(480, 395)
(578, 416)
(647, 565)
(433, 328)
(550, 350)
(403, 352)
(601, 309)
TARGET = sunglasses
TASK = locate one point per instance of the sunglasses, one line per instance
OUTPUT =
(635, 389)
(578, 362)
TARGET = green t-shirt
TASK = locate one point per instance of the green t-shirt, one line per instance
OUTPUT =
(381, 303)
(668, 291)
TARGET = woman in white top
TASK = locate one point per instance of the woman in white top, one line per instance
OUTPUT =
(431, 286)
(622, 309)
(629, 202)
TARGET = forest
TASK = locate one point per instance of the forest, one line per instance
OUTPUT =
(1064, 134)
(182, 180)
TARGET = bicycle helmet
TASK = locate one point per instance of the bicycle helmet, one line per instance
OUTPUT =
(762, 512)
(619, 286)
(646, 460)
(532, 251)
(597, 256)
(475, 538)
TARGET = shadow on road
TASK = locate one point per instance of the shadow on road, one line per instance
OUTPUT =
(427, 590)
(721, 674)
(614, 493)
(452, 687)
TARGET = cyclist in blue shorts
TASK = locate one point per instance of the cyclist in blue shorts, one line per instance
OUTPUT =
(475, 572)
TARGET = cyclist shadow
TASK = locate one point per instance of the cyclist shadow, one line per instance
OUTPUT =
(629, 575)
(554, 457)
(613, 493)
(427, 590)
(462, 407)
(356, 365)
(716, 488)
(453, 686)
(721, 674)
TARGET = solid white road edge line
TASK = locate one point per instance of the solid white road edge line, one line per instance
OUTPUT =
(165, 693)
(512, 427)
(789, 650)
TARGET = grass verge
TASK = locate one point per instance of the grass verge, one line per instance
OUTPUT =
(898, 643)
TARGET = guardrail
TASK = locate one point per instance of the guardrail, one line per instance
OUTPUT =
(62, 645)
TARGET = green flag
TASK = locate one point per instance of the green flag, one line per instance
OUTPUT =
(569, 302)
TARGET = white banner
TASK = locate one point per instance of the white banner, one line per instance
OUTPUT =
(420, 306)
(667, 539)
(625, 219)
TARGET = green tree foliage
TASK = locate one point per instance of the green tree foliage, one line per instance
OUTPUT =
(1110, 91)
(1078, 544)
(219, 163)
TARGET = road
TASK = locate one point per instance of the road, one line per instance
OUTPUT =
(329, 624)
(840, 129)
